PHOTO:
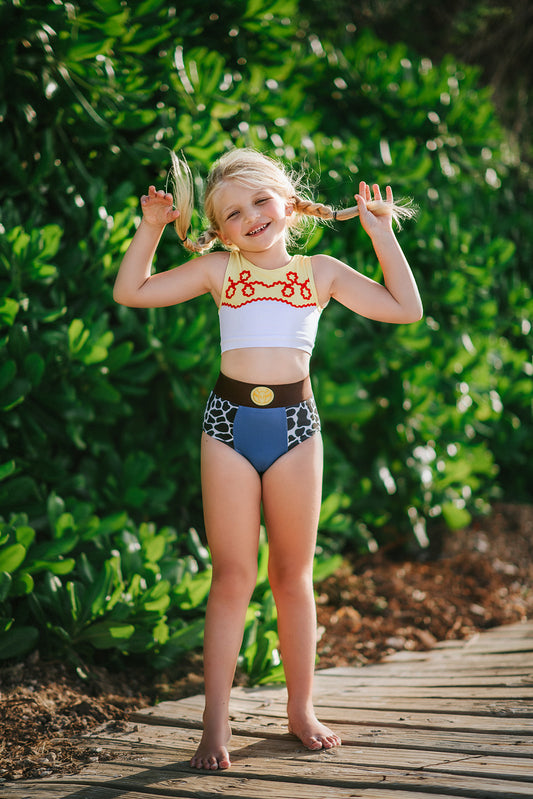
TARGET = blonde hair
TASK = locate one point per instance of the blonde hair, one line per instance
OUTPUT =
(255, 170)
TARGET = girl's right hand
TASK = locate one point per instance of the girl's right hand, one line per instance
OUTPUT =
(157, 208)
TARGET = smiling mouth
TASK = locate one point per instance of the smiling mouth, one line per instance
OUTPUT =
(257, 230)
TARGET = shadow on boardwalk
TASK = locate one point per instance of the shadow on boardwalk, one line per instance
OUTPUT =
(453, 722)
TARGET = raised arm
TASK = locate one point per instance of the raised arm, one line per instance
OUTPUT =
(398, 300)
(135, 286)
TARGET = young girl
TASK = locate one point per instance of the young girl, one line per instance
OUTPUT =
(261, 441)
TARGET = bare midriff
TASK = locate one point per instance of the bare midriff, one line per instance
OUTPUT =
(265, 365)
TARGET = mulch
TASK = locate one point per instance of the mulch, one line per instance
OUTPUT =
(373, 606)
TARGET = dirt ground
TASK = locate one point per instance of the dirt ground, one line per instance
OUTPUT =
(369, 609)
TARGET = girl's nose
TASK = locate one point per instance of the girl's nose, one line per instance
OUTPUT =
(251, 213)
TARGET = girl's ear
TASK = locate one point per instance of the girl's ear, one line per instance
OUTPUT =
(289, 210)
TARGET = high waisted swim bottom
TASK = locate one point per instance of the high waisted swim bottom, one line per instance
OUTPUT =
(261, 422)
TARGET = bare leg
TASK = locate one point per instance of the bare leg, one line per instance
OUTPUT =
(291, 499)
(232, 499)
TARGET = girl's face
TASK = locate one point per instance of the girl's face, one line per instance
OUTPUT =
(250, 218)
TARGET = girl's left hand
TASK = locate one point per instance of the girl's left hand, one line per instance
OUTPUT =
(374, 223)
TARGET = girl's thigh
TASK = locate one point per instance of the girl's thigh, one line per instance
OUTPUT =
(292, 493)
(231, 491)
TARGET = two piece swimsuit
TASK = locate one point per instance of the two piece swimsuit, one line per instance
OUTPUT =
(265, 308)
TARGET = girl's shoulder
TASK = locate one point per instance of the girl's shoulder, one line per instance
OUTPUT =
(329, 272)
(213, 266)
(213, 260)
(323, 261)
(324, 271)
(326, 267)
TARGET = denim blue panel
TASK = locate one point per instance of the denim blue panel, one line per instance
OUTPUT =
(260, 434)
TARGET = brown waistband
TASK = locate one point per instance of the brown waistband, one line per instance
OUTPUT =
(261, 395)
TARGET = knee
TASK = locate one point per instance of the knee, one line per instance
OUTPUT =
(290, 584)
(234, 581)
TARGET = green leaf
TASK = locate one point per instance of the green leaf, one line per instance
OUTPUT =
(78, 336)
(323, 568)
(107, 634)
(456, 518)
(7, 469)
(8, 370)
(34, 367)
(108, 7)
(183, 640)
(88, 50)
(8, 310)
(5, 585)
(23, 584)
(11, 557)
(17, 641)
(96, 597)
(154, 549)
(25, 535)
(54, 566)
(47, 550)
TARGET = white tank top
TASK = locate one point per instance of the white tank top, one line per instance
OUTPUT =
(268, 307)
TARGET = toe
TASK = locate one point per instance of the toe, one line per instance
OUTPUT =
(313, 743)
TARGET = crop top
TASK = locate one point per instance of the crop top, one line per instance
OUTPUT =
(268, 307)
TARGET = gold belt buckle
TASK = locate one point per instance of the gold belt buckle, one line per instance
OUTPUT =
(262, 395)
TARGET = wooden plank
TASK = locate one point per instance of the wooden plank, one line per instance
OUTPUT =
(249, 716)
(401, 702)
(406, 741)
(518, 710)
(371, 670)
(477, 656)
(495, 667)
(505, 632)
(151, 751)
(485, 646)
(474, 699)
(354, 678)
(253, 775)
(523, 693)
(40, 790)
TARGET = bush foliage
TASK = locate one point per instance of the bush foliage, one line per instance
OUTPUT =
(101, 405)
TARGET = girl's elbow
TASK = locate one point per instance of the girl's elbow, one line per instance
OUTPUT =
(417, 314)
(118, 296)
(122, 297)
(412, 315)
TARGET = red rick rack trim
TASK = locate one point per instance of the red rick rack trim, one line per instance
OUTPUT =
(289, 288)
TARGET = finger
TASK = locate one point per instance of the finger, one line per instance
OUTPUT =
(361, 204)
(377, 192)
(389, 194)
(151, 191)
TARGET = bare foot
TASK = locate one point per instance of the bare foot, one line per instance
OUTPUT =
(212, 752)
(312, 733)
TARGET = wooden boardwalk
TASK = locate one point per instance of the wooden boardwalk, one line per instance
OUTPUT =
(453, 722)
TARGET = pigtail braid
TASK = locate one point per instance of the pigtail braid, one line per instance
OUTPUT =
(183, 191)
(403, 209)
(204, 241)
(399, 211)
(309, 208)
